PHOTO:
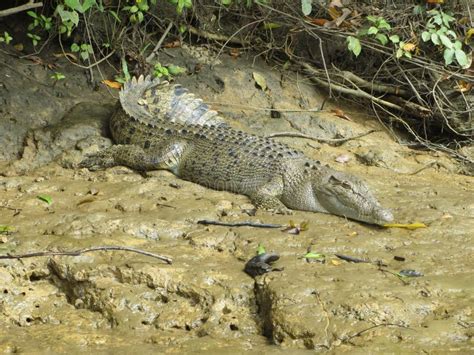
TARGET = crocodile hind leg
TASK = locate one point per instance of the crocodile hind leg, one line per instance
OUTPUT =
(136, 157)
(267, 197)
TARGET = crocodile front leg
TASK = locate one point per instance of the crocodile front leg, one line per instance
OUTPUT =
(136, 157)
(268, 197)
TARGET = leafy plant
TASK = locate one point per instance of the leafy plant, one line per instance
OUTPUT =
(34, 38)
(167, 71)
(41, 21)
(136, 11)
(248, 3)
(58, 76)
(378, 29)
(439, 33)
(181, 5)
(122, 79)
(6, 38)
(85, 50)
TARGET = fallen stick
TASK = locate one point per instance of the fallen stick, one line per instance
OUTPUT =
(86, 250)
(207, 222)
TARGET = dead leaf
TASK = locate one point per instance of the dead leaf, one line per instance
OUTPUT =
(336, 262)
(463, 86)
(68, 55)
(260, 80)
(334, 13)
(319, 21)
(112, 84)
(352, 234)
(341, 114)
(19, 47)
(469, 34)
(234, 52)
(173, 44)
(410, 226)
(409, 47)
(335, 3)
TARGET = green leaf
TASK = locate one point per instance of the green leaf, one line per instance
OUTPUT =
(87, 4)
(6, 37)
(75, 47)
(438, 20)
(271, 25)
(435, 38)
(261, 249)
(448, 55)
(381, 38)
(372, 19)
(418, 10)
(451, 33)
(425, 36)
(74, 5)
(384, 24)
(372, 30)
(394, 39)
(4, 229)
(457, 44)
(446, 19)
(226, 2)
(312, 255)
(115, 16)
(45, 198)
(446, 41)
(407, 54)
(354, 45)
(461, 58)
(32, 14)
(134, 9)
(306, 7)
(176, 70)
(139, 16)
(65, 15)
(399, 53)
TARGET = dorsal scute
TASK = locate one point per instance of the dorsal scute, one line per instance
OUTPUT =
(151, 101)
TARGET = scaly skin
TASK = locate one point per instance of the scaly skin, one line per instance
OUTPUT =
(159, 126)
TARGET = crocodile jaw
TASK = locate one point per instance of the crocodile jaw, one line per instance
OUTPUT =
(345, 195)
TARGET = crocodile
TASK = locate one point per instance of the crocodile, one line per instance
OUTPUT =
(157, 125)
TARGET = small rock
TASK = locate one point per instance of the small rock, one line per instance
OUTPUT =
(223, 207)
(249, 209)
(343, 158)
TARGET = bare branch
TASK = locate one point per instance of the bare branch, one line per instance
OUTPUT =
(13, 10)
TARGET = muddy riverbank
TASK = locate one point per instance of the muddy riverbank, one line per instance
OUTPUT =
(119, 301)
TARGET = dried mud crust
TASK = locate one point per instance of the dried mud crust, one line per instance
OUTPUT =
(204, 301)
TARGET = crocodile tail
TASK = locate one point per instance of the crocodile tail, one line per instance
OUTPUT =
(151, 100)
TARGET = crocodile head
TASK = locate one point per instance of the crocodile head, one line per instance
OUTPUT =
(346, 195)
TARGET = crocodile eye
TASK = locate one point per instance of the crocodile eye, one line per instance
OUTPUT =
(335, 181)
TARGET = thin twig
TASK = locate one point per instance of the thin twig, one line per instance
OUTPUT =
(247, 107)
(349, 337)
(158, 45)
(207, 222)
(86, 250)
(324, 140)
(29, 5)
(87, 67)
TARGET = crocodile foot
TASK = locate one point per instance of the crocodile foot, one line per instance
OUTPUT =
(98, 161)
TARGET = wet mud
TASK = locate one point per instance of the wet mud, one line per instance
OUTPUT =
(204, 301)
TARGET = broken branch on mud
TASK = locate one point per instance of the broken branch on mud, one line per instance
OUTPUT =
(324, 140)
(207, 222)
(86, 250)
